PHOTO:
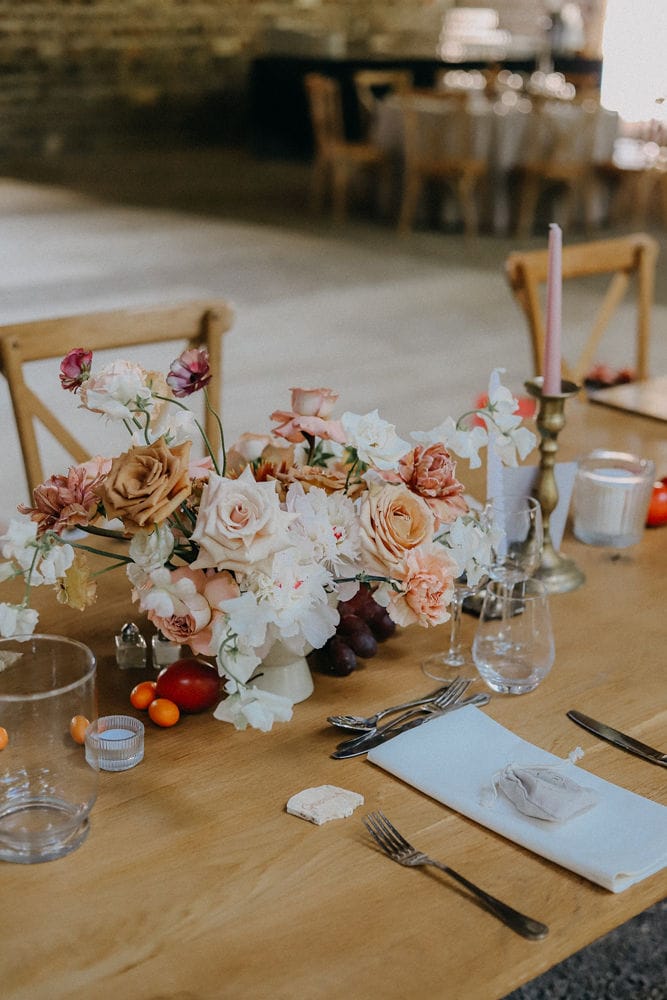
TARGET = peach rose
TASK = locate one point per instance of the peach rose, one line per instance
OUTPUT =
(146, 484)
(431, 473)
(311, 409)
(393, 521)
(240, 522)
(195, 613)
(428, 587)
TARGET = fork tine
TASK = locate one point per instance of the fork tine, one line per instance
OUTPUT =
(370, 824)
(396, 838)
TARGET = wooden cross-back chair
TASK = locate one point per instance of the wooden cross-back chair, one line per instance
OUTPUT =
(199, 323)
(337, 158)
(439, 145)
(622, 259)
(371, 85)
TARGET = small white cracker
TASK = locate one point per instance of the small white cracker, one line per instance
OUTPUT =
(319, 805)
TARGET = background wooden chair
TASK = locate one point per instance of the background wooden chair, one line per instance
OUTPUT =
(621, 258)
(198, 324)
(337, 159)
(558, 155)
(371, 85)
(440, 146)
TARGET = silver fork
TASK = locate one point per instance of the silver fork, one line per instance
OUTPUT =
(363, 724)
(398, 849)
(455, 691)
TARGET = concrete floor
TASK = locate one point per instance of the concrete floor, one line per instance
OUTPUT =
(412, 326)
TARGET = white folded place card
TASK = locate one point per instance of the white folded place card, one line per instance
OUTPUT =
(619, 841)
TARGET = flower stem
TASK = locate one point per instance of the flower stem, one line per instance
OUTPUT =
(201, 430)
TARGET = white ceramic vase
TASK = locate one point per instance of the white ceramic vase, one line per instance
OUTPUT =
(285, 673)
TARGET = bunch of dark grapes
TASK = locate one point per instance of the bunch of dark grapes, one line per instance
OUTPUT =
(363, 623)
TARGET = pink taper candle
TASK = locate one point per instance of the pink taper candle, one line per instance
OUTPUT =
(551, 382)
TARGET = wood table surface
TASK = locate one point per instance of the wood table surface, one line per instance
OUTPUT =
(195, 883)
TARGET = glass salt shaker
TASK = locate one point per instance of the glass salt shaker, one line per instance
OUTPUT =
(130, 648)
(164, 651)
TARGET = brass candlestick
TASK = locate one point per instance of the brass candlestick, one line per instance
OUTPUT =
(556, 572)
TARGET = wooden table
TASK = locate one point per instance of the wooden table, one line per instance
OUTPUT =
(195, 883)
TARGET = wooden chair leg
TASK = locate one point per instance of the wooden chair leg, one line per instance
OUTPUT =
(528, 196)
(466, 192)
(412, 190)
(341, 178)
(318, 185)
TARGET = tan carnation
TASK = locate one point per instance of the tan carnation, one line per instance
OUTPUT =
(146, 484)
(332, 479)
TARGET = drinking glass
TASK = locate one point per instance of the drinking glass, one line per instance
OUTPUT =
(47, 788)
(513, 648)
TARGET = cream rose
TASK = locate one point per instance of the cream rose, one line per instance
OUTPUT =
(145, 485)
(240, 522)
(393, 522)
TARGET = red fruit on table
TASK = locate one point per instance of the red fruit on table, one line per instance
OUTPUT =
(657, 509)
(191, 684)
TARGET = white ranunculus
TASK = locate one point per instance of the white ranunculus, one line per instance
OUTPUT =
(151, 549)
(374, 440)
(119, 390)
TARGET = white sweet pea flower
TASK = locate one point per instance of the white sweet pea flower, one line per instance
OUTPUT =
(470, 542)
(119, 391)
(248, 618)
(151, 549)
(463, 441)
(15, 619)
(166, 596)
(521, 441)
(374, 440)
(251, 706)
(52, 563)
(7, 571)
(19, 542)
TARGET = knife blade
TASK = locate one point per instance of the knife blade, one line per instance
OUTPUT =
(619, 739)
(376, 739)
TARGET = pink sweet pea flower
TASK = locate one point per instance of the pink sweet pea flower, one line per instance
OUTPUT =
(310, 413)
(190, 372)
(75, 369)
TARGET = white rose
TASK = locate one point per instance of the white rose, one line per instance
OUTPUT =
(152, 549)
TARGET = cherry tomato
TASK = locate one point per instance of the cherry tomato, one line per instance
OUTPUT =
(192, 684)
(77, 728)
(163, 712)
(657, 509)
(4, 737)
(143, 694)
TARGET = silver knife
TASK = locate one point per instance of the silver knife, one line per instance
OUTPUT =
(618, 739)
(363, 745)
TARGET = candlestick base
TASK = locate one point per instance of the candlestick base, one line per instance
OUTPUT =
(558, 573)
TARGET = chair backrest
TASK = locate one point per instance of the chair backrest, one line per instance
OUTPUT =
(326, 111)
(439, 127)
(199, 323)
(560, 134)
(621, 259)
(371, 85)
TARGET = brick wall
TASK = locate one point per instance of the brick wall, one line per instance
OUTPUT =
(79, 73)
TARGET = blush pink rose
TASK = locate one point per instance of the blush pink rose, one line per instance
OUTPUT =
(393, 520)
(431, 473)
(311, 409)
(196, 614)
(427, 588)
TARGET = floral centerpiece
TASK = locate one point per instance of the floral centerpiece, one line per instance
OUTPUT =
(257, 543)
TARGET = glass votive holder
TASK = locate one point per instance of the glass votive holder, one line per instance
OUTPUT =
(115, 742)
(612, 491)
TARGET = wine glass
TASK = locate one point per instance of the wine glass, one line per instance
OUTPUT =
(514, 650)
(515, 523)
(446, 666)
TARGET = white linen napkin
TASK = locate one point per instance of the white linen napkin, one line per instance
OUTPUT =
(621, 840)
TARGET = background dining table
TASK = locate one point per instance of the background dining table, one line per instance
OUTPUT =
(194, 882)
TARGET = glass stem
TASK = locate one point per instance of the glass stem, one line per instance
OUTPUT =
(454, 657)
